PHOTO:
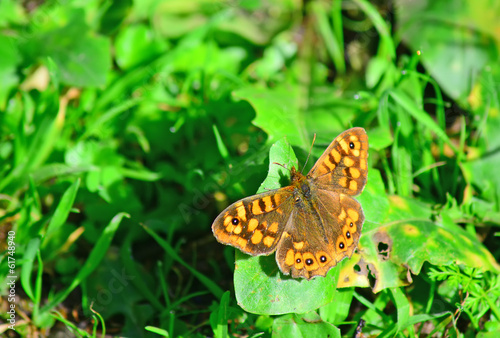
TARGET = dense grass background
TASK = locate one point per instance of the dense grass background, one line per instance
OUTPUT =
(126, 127)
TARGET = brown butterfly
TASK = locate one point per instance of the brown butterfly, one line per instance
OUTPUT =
(314, 222)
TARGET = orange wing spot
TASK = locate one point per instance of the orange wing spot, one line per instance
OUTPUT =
(299, 261)
(237, 229)
(268, 241)
(355, 141)
(227, 219)
(336, 155)
(341, 244)
(343, 182)
(310, 261)
(353, 214)
(362, 164)
(257, 237)
(279, 211)
(289, 259)
(349, 162)
(285, 234)
(354, 172)
(353, 185)
(241, 242)
(355, 152)
(256, 209)
(252, 225)
(273, 227)
(347, 230)
(354, 227)
(344, 145)
(298, 245)
(240, 209)
(221, 236)
(342, 215)
(277, 199)
(230, 227)
(269, 204)
(323, 258)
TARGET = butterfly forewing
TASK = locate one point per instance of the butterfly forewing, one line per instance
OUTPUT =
(343, 166)
(255, 224)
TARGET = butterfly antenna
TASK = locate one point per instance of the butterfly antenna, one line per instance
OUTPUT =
(310, 149)
(281, 165)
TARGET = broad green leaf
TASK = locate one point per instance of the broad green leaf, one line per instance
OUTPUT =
(259, 285)
(485, 105)
(137, 44)
(390, 250)
(297, 326)
(83, 59)
(337, 311)
(483, 175)
(277, 112)
(454, 38)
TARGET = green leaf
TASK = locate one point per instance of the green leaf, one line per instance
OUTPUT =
(222, 317)
(455, 39)
(338, 310)
(93, 260)
(277, 112)
(83, 59)
(297, 326)
(63, 209)
(259, 285)
(483, 175)
(29, 260)
(391, 248)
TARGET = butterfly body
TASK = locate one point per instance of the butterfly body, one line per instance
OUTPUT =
(313, 223)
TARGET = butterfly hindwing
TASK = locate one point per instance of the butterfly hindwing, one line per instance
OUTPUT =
(310, 246)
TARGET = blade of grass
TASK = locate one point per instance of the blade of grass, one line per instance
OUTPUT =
(221, 331)
(386, 47)
(403, 310)
(63, 209)
(95, 257)
(332, 44)
(98, 319)
(214, 288)
(161, 332)
(220, 144)
(131, 268)
(28, 262)
(420, 115)
(372, 307)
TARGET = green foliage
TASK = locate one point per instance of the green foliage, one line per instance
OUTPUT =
(127, 126)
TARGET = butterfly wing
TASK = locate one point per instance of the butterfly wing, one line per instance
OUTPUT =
(314, 242)
(343, 166)
(255, 224)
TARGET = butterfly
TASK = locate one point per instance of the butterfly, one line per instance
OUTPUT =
(313, 223)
